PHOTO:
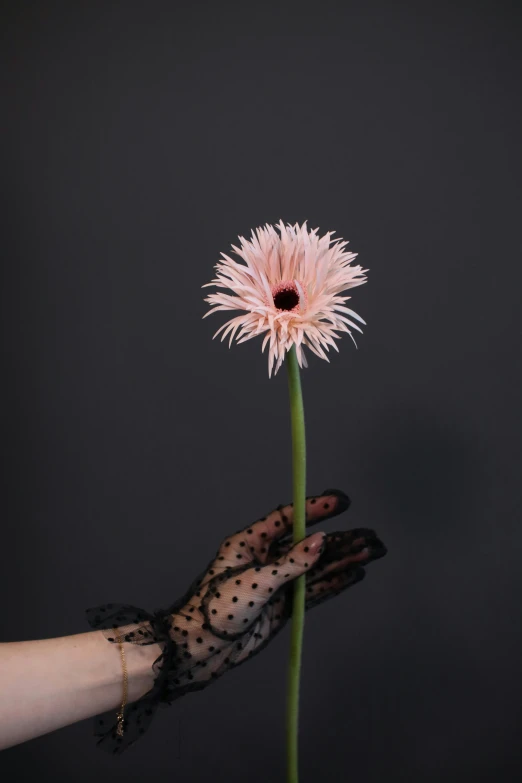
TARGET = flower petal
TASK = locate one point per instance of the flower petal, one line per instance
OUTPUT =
(320, 271)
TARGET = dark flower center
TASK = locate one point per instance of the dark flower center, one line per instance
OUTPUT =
(286, 299)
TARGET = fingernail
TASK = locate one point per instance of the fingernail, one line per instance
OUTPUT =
(317, 545)
(342, 498)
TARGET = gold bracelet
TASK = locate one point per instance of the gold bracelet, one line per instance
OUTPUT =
(119, 715)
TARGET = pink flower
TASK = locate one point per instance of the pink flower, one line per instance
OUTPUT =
(289, 289)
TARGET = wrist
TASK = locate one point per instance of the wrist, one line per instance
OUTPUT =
(139, 660)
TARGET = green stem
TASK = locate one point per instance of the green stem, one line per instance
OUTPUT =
(298, 607)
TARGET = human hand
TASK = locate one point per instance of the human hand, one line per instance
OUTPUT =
(244, 597)
(240, 602)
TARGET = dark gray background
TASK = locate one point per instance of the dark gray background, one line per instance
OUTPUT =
(139, 140)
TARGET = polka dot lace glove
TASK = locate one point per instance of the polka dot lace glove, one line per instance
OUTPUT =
(235, 607)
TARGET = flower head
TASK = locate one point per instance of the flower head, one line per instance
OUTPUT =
(289, 289)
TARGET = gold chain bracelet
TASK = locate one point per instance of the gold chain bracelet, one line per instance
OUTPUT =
(120, 714)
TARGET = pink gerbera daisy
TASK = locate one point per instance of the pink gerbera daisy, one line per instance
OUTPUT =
(289, 289)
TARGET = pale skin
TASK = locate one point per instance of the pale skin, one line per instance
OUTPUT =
(49, 683)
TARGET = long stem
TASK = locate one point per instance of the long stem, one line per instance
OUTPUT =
(298, 607)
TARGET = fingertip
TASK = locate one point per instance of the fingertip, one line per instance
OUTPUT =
(315, 543)
(328, 504)
(343, 501)
(304, 554)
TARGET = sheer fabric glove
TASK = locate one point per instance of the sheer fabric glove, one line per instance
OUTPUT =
(235, 607)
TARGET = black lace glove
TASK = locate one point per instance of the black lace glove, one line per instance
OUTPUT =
(240, 602)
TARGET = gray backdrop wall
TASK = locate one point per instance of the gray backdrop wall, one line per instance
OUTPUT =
(139, 139)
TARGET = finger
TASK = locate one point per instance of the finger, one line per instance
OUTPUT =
(342, 563)
(296, 562)
(252, 544)
(233, 602)
(345, 549)
(278, 525)
(332, 585)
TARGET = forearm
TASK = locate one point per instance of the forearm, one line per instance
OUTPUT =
(50, 683)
